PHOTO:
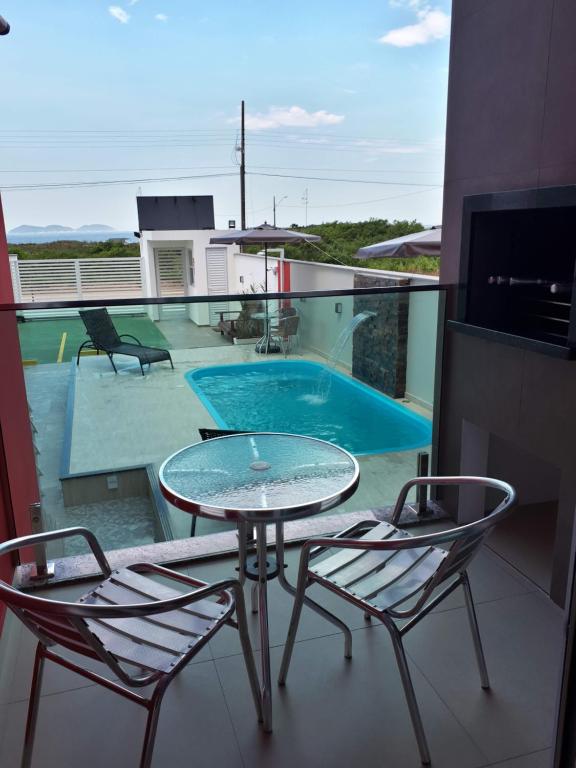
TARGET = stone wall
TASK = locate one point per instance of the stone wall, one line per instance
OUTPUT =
(380, 344)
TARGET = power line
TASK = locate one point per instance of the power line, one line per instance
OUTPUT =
(109, 182)
(350, 181)
(368, 202)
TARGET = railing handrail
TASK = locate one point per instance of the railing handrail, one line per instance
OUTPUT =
(206, 299)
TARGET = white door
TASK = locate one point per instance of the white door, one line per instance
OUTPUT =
(170, 278)
(217, 277)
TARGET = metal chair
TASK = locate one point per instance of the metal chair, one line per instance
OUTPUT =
(394, 576)
(285, 329)
(144, 631)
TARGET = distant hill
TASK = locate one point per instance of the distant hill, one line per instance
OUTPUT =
(30, 229)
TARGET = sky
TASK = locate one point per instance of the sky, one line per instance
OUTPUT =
(345, 108)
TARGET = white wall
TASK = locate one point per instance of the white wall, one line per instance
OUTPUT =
(198, 241)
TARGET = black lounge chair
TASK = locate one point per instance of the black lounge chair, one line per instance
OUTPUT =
(104, 338)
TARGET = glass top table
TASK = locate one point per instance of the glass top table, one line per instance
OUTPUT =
(259, 477)
(255, 479)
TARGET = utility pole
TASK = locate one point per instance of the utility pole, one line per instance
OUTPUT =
(274, 206)
(242, 170)
(305, 201)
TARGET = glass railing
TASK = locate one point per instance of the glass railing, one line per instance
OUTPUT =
(354, 368)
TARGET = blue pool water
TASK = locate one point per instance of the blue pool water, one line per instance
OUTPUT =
(309, 399)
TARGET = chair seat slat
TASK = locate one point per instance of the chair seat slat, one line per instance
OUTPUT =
(147, 633)
(362, 567)
(393, 570)
(180, 620)
(127, 650)
(343, 557)
(412, 582)
(154, 590)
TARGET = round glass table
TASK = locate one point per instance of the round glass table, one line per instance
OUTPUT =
(255, 479)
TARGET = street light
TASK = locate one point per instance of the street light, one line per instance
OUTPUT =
(274, 204)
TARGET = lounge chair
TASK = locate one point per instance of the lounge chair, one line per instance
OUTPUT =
(104, 338)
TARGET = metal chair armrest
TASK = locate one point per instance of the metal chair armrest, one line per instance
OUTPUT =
(64, 533)
(129, 336)
(489, 482)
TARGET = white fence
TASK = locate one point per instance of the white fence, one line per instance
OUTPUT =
(76, 279)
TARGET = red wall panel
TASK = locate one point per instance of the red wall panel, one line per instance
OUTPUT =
(18, 480)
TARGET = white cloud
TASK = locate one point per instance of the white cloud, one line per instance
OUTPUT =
(119, 14)
(161, 17)
(433, 24)
(292, 117)
(132, 2)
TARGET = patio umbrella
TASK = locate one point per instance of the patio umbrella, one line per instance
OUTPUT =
(425, 243)
(264, 235)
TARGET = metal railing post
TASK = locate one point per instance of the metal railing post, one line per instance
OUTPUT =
(43, 570)
(422, 491)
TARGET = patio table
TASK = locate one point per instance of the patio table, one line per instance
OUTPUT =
(259, 478)
(264, 345)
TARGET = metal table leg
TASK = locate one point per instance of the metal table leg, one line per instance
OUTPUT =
(264, 636)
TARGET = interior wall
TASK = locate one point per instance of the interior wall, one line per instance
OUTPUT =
(511, 125)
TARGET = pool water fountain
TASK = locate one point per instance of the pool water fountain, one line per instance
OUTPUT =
(322, 389)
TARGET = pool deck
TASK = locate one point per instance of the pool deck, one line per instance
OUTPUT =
(127, 419)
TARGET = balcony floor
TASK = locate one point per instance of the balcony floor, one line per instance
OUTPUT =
(332, 712)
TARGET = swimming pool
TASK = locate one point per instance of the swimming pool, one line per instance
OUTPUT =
(309, 399)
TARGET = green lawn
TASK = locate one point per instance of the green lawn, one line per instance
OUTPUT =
(40, 340)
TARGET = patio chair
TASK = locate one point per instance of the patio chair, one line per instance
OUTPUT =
(104, 337)
(285, 331)
(143, 631)
(394, 576)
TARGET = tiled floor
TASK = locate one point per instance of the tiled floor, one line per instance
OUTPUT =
(332, 712)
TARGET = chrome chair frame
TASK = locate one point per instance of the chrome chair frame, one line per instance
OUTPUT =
(286, 329)
(450, 566)
(71, 625)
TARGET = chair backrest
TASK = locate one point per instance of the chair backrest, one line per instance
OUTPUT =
(288, 326)
(100, 328)
(464, 541)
